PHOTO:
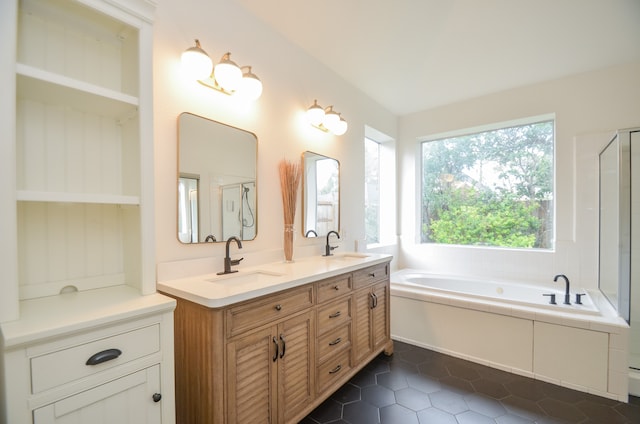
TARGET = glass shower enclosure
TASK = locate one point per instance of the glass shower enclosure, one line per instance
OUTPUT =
(619, 254)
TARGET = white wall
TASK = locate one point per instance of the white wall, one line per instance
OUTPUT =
(292, 80)
(588, 109)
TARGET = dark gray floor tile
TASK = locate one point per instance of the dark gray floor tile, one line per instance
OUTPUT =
(472, 417)
(397, 414)
(377, 366)
(392, 380)
(512, 419)
(561, 410)
(364, 378)
(413, 399)
(329, 411)
(424, 383)
(456, 385)
(360, 413)
(435, 416)
(347, 393)
(417, 385)
(447, 401)
(378, 395)
(485, 405)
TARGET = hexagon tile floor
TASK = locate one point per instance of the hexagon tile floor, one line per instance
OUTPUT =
(419, 386)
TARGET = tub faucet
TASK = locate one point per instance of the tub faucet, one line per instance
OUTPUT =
(328, 248)
(566, 293)
(228, 262)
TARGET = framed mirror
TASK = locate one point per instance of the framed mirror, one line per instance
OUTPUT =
(320, 195)
(216, 181)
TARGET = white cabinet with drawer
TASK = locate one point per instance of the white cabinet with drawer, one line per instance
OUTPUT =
(102, 356)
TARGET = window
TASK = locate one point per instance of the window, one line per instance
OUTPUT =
(372, 191)
(490, 188)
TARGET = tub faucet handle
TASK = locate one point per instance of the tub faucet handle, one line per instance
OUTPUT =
(579, 298)
(552, 298)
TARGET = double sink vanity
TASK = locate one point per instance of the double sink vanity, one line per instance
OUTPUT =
(268, 344)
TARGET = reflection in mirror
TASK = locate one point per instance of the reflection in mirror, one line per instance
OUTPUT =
(216, 181)
(320, 195)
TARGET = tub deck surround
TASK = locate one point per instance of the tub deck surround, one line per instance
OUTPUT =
(531, 340)
(215, 291)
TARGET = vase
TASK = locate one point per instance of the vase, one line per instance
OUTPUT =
(288, 243)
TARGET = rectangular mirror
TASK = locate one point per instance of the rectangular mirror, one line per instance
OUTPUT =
(320, 195)
(216, 181)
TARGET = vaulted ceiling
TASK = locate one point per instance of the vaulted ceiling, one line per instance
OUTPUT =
(412, 55)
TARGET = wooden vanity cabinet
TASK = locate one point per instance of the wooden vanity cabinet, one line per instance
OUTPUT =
(371, 299)
(270, 357)
(275, 358)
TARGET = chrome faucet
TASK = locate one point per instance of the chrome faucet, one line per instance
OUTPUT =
(328, 248)
(228, 262)
(566, 293)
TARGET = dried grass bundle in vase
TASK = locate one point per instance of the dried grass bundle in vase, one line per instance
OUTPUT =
(289, 182)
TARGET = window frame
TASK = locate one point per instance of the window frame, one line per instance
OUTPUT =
(477, 130)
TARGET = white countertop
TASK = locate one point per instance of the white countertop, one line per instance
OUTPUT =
(215, 291)
(67, 313)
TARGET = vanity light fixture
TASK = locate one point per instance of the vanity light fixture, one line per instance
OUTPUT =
(326, 119)
(226, 76)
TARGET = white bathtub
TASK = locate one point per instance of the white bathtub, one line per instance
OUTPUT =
(512, 293)
(513, 327)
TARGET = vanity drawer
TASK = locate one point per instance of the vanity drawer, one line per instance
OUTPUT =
(56, 368)
(332, 371)
(334, 287)
(334, 314)
(334, 341)
(263, 311)
(373, 274)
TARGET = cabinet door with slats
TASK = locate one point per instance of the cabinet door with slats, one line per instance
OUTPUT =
(127, 400)
(251, 364)
(295, 369)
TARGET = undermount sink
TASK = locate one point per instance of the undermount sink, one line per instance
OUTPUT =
(258, 276)
(348, 256)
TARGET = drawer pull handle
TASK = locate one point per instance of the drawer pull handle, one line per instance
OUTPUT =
(336, 288)
(104, 356)
(275, 355)
(372, 274)
(375, 300)
(156, 397)
(335, 314)
(336, 369)
(278, 307)
(335, 342)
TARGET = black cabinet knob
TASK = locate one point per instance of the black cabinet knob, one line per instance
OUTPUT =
(156, 397)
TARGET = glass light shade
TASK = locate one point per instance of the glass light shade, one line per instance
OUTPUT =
(251, 86)
(228, 74)
(331, 119)
(341, 127)
(315, 114)
(196, 63)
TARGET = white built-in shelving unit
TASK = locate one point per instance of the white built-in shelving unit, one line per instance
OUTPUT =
(77, 218)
